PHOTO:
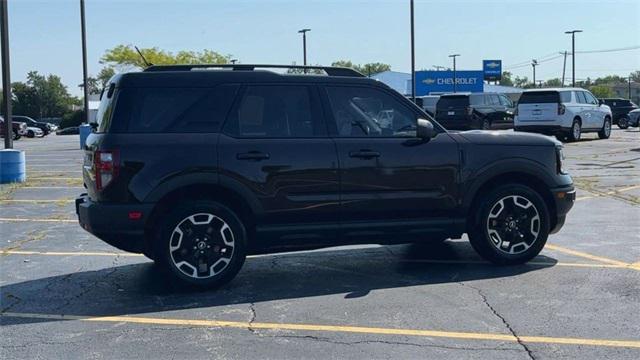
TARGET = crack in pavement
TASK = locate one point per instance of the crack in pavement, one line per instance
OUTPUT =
(252, 308)
(504, 321)
(349, 343)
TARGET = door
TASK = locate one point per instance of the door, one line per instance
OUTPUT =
(275, 146)
(596, 118)
(389, 178)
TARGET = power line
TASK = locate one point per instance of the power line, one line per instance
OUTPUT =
(552, 57)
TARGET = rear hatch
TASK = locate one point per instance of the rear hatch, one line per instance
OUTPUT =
(452, 110)
(538, 106)
(92, 157)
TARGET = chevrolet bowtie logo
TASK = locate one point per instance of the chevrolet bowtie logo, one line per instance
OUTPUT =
(493, 64)
(428, 81)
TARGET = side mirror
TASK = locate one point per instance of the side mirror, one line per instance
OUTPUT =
(425, 129)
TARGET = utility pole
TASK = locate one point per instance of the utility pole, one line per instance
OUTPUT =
(629, 90)
(6, 81)
(564, 67)
(534, 63)
(304, 46)
(85, 83)
(573, 54)
(454, 56)
(233, 61)
(413, 58)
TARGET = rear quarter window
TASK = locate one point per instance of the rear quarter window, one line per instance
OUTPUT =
(174, 110)
(565, 96)
(540, 97)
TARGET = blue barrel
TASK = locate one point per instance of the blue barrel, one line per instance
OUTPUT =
(84, 130)
(12, 166)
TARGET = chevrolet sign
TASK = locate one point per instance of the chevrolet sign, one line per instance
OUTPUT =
(492, 69)
(442, 81)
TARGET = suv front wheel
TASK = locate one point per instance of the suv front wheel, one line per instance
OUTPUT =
(512, 227)
(605, 132)
(201, 243)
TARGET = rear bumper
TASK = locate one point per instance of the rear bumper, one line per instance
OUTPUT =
(543, 129)
(563, 198)
(111, 222)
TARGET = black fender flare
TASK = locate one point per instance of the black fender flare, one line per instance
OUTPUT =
(523, 166)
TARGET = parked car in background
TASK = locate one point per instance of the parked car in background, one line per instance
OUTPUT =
(428, 103)
(33, 132)
(269, 162)
(620, 109)
(19, 128)
(634, 117)
(72, 130)
(563, 112)
(44, 126)
(463, 111)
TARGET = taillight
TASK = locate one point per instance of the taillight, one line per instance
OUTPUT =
(106, 165)
(561, 109)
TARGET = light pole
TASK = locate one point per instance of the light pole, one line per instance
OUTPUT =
(304, 46)
(534, 63)
(233, 61)
(84, 63)
(573, 54)
(454, 56)
(6, 81)
(413, 58)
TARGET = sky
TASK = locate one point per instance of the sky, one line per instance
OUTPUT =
(45, 35)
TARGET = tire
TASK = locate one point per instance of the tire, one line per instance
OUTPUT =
(623, 122)
(31, 134)
(211, 252)
(486, 124)
(576, 130)
(605, 132)
(508, 211)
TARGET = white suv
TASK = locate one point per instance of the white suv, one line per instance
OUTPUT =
(563, 112)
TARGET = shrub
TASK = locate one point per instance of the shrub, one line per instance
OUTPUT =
(70, 119)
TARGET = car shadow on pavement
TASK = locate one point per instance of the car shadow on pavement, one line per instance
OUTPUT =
(138, 289)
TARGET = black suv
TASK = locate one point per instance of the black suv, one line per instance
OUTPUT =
(463, 111)
(620, 109)
(45, 127)
(196, 167)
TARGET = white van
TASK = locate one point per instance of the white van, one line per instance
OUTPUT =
(563, 112)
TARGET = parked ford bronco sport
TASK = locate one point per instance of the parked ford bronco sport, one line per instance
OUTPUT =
(198, 166)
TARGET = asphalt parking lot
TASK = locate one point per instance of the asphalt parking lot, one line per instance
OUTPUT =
(65, 294)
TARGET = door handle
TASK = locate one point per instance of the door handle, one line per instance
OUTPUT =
(252, 155)
(364, 154)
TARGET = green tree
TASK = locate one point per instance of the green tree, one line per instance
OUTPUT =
(601, 91)
(125, 57)
(635, 76)
(96, 84)
(506, 79)
(367, 69)
(41, 96)
(521, 82)
(555, 82)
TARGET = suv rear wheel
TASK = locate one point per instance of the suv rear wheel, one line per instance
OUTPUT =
(605, 132)
(576, 130)
(513, 225)
(201, 243)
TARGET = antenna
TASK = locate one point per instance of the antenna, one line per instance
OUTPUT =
(143, 58)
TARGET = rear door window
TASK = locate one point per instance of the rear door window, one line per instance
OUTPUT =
(174, 110)
(539, 97)
(590, 98)
(275, 111)
(580, 97)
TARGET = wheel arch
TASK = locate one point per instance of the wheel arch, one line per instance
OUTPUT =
(228, 192)
(484, 184)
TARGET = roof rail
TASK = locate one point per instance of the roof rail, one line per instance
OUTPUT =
(329, 70)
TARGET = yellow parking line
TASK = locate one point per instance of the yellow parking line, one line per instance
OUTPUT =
(588, 256)
(38, 220)
(628, 188)
(609, 193)
(335, 329)
(34, 201)
(51, 187)
(54, 178)
(427, 261)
